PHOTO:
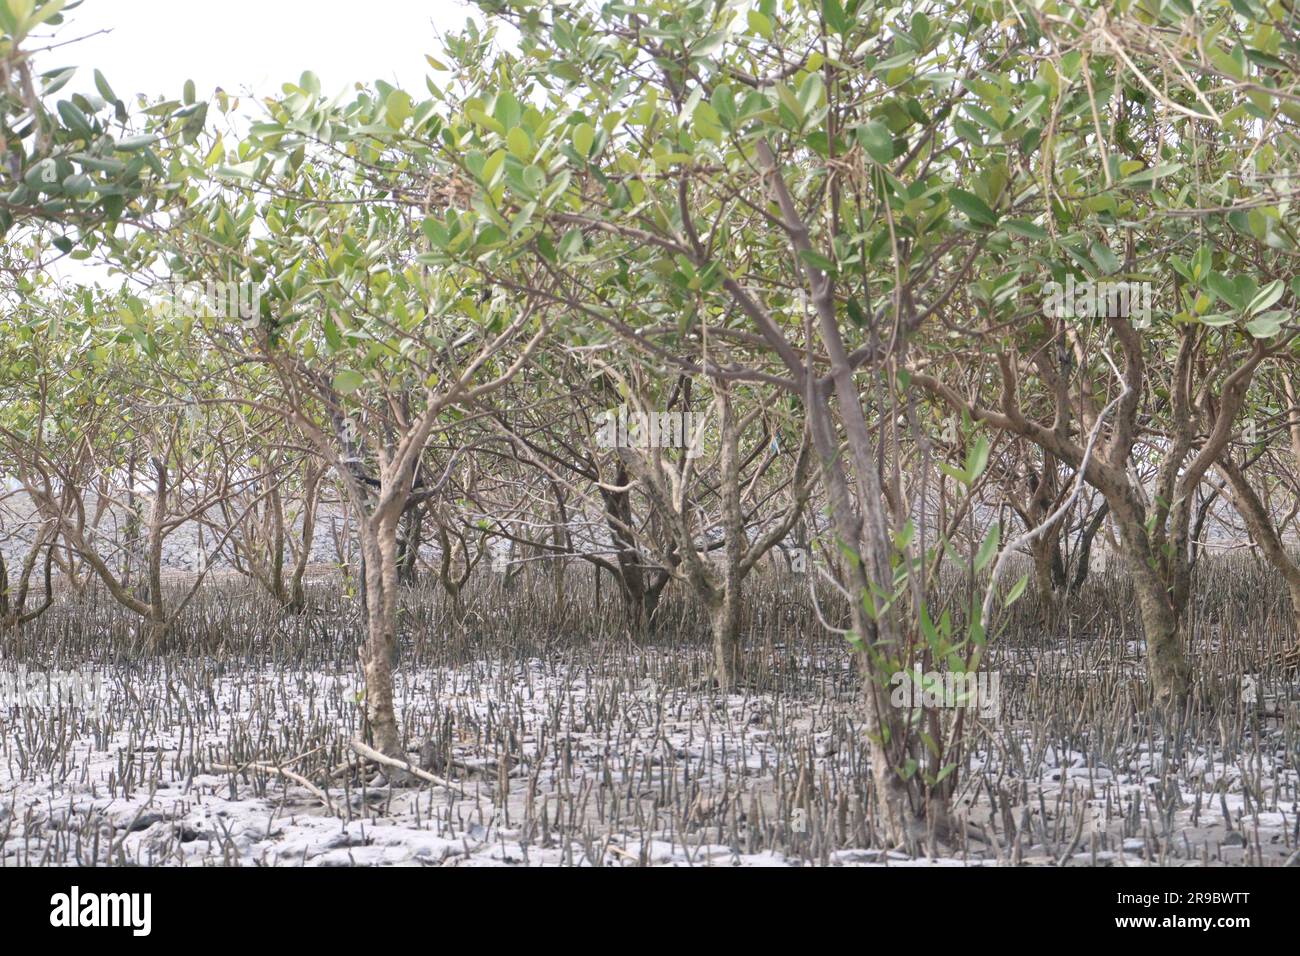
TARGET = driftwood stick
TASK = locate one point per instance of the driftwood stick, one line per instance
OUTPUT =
(287, 774)
(370, 753)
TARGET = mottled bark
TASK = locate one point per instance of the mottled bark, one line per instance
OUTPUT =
(379, 550)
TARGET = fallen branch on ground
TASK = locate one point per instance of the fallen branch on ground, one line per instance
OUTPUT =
(370, 753)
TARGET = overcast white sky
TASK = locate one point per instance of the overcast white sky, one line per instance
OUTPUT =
(154, 46)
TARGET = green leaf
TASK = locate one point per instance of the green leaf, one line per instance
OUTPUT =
(570, 245)
(1268, 324)
(1106, 260)
(1022, 227)
(1225, 289)
(1017, 589)
(519, 144)
(724, 104)
(977, 458)
(492, 168)
(1031, 108)
(835, 17)
(583, 137)
(74, 118)
(105, 90)
(130, 144)
(1155, 172)
(817, 261)
(1201, 263)
(790, 101)
(77, 185)
(397, 108)
(811, 92)
(707, 123)
(1267, 297)
(956, 474)
(348, 381)
(435, 232)
(877, 140)
(975, 208)
(856, 314)
(333, 338)
(487, 122)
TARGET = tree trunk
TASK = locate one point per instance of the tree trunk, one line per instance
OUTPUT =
(310, 496)
(156, 630)
(900, 807)
(412, 528)
(724, 621)
(379, 550)
(639, 601)
(1046, 556)
(1083, 552)
(1161, 620)
(450, 582)
(1262, 528)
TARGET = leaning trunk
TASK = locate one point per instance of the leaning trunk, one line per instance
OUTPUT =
(901, 811)
(1261, 526)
